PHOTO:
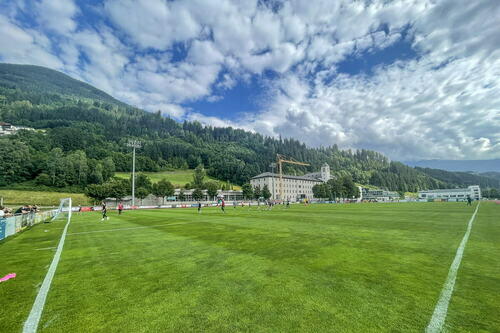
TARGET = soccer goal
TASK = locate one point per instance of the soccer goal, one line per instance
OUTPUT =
(63, 211)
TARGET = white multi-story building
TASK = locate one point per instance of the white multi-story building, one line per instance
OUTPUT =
(294, 187)
(455, 194)
(378, 195)
(8, 129)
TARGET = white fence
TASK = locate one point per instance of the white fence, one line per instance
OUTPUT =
(14, 224)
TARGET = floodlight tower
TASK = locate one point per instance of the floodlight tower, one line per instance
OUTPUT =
(134, 144)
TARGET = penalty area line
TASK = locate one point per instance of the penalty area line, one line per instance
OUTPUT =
(440, 311)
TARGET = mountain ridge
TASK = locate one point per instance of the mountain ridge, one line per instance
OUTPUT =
(458, 165)
(24, 77)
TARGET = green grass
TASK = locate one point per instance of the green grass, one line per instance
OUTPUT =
(357, 268)
(177, 177)
(21, 197)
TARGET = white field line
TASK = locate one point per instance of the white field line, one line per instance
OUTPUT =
(31, 324)
(439, 316)
(46, 248)
(131, 228)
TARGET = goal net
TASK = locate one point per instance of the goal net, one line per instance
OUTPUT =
(63, 211)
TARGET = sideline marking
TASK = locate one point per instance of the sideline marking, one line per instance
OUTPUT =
(132, 228)
(439, 316)
(31, 324)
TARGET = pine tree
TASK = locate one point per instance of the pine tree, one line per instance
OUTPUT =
(247, 191)
(256, 192)
(266, 194)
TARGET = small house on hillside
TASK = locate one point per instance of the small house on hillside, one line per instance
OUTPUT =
(8, 129)
(5, 128)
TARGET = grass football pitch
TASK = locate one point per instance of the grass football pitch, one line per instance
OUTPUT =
(178, 178)
(320, 268)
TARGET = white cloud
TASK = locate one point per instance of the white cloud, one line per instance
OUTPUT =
(153, 23)
(57, 15)
(24, 46)
(213, 121)
(171, 110)
(204, 53)
(227, 82)
(214, 98)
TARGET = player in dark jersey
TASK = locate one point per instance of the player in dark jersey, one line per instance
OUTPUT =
(104, 212)
(223, 206)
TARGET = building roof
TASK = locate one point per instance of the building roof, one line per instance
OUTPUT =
(447, 190)
(190, 191)
(275, 175)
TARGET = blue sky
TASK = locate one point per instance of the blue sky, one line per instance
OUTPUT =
(412, 79)
(231, 103)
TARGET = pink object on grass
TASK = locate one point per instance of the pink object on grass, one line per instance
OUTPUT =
(8, 276)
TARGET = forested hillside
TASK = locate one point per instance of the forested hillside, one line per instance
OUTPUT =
(475, 166)
(41, 81)
(462, 178)
(491, 174)
(82, 135)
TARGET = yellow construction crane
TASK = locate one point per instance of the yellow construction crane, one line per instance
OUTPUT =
(280, 159)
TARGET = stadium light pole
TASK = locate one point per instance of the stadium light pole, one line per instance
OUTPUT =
(134, 144)
(273, 165)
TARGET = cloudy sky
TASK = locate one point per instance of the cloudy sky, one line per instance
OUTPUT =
(413, 79)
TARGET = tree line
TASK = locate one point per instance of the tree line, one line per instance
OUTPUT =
(342, 187)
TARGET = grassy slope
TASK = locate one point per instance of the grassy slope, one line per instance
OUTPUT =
(21, 197)
(370, 267)
(178, 177)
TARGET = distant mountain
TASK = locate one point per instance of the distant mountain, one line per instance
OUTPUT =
(459, 165)
(43, 81)
(463, 179)
(491, 174)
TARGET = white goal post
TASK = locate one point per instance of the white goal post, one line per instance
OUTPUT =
(64, 210)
